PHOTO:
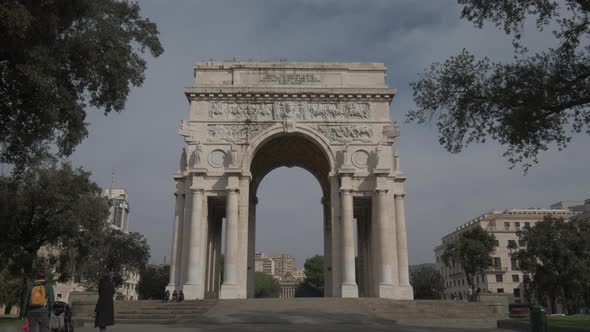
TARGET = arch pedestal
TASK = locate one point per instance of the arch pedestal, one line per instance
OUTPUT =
(331, 119)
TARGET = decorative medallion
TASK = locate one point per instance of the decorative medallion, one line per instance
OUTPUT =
(360, 158)
(217, 158)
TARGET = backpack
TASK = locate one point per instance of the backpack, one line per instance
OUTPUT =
(38, 296)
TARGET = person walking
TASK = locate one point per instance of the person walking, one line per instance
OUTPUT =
(166, 296)
(105, 307)
(37, 305)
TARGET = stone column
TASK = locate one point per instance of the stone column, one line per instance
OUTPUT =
(229, 287)
(174, 255)
(251, 245)
(192, 288)
(402, 249)
(186, 222)
(349, 286)
(385, 247)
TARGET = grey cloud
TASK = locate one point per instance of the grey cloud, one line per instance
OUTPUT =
(444, 190)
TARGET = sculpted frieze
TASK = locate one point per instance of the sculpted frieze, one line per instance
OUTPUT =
(349, 133)
(233, 133)
(283, 110)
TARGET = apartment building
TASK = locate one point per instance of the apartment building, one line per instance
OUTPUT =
(504, 275)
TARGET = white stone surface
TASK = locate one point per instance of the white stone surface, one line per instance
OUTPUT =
(247, 118)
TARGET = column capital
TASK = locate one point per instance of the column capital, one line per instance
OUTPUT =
(400, 196)
(195, 190)
(381, 191)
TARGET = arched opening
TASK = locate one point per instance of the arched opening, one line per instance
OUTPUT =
(289, 228)
(289, 150)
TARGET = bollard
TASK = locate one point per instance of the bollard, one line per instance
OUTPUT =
(537, 319)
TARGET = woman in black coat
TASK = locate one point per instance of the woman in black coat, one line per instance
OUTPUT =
(105, 307)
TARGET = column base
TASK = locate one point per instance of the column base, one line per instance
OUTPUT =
(386, 292)
(350, 290)
(403, 292)
(192, 292)
(229, 292)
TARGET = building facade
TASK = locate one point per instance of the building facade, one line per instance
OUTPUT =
(581, 208)
(248, 118)
(504, 276)
(265, 264)
(284, 264)
(119, 208)
(118, 219)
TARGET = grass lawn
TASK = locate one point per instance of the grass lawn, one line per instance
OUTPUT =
(574, 320)
(10, 321)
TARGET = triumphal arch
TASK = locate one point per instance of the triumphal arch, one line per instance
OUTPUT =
(248, 118)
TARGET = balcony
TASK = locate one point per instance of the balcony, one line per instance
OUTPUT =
(497, 269)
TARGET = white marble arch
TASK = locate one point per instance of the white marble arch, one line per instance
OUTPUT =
(247, 118)
(310, 133)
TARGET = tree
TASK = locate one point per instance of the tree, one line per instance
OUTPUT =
(153, 281)
(60, 58)
(536, 101)
(57, 208)
(313, 284)
(557, 256)
(265, 285)
(427, 283)
(471, 251)
(11, 288)
(117, 253)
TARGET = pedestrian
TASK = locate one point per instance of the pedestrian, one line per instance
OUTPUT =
(166, 296)
(174, 296)
(37, 305)
(180, 296)
(105, 307)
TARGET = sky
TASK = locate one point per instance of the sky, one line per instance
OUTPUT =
(444, 190)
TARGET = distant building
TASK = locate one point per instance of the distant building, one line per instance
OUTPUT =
(264, 263)
(504, 275)
(288, 289)
(118, 219)
(119, 208)
(283, 264)
(582, 208)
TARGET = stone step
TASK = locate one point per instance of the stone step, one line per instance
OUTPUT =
(163, 311)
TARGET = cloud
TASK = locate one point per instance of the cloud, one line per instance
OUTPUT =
(444, 190)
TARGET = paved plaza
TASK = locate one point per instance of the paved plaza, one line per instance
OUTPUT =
(288, 328)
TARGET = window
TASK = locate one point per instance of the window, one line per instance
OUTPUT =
(500, 290)
(516, 292)
(515, 278)
(512, 244)
(496, 243)
(499, 278)
(522, 243)
(526, 278)
(527, 224)
(506, 225)
(514, 264)
(497, 263)
(517, 225)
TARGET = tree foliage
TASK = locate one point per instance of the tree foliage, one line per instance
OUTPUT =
(538, 100)
(428, 283)
(48, 206)
(60, 58)
(313, 284)
(116, 253)
(471, 251)
(265, 285)
(153, 281)
(557, 256)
